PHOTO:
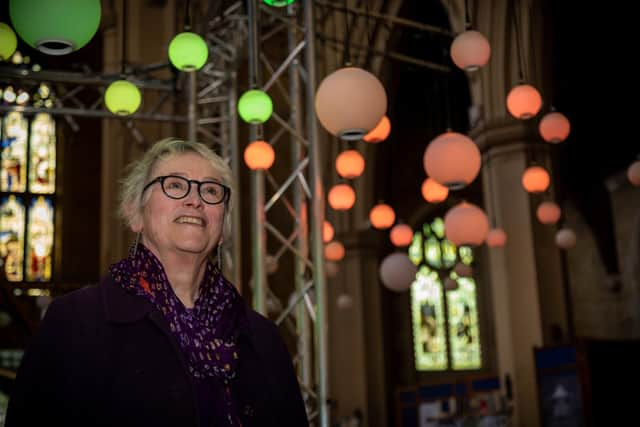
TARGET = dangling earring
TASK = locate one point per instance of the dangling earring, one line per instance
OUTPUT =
(133, 249)
(219, 255)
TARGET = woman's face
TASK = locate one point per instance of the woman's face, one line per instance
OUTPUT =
(183, 226)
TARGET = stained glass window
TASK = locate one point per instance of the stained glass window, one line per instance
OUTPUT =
(28, 152)
(464, 335)
(428, 321)
(445, 322)
(14, 153)
(12, 237)
(39, 240)
(42, 153)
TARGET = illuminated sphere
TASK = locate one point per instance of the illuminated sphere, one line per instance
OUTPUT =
(255, 106)
(350, 102)
(401, 235)
(524, 101)
(397, 272)
(535, 179)
(380, 132)
(452, 159)
(382, 216)
(433, 192)
(55, 27)
(334, 251)
(496, 238)
(278, 3)
(470, 50)
(466, 224)
(344, 302)
(8, 41)
(633, 173)
(259, 155)
(350, 164)
(548, 212)
(554, 127)
(122, 98)
(565, 238)
(341, 197)
(327, 232)
(188, 51)
(331, 268)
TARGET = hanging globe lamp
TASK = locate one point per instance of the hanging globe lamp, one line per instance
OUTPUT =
(452, 159)
(8, 42)
(122, 98)
(259, 155)
(470, 50)
(382, 216)
(350, 102)
(255, 106)
(188, 51)
(524, 101)
(466, 224)
(55, 27)
(554, 127)
(341, 197)
(350, 164)
(380, 132)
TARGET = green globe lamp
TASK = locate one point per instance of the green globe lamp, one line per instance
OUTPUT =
(255, 106)
(8, 42)
(122, 98)
(279, 3)
(188, 51)
(55, 27)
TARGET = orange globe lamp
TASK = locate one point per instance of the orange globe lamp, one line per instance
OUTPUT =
(633, 173)
(554, 127)
(433, 192)
(466, 224)
(524, 101)
(496, 238)
(401, 235)
(327, 232)
(380, 132)
(470, 50)
(548, 212)
(259, 155)
(382, 216)
(350, 164)
(452, 159)
(535, 179)
(334, 251)
(341, 197)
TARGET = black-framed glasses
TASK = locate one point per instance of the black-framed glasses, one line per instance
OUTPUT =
(178, 187)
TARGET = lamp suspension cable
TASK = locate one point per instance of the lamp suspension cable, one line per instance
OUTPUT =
(367, 53)
(467, 20)
(187, 15)
(521, 65)
(124, 38)
(347, 37)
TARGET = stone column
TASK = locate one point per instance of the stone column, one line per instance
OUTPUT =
(529, 308)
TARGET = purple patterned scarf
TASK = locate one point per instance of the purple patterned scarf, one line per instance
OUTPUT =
(207, 333)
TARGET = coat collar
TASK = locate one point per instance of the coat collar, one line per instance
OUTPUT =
(124, 307)
(120, 305)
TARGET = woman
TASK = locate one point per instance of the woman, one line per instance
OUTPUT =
(164, 339)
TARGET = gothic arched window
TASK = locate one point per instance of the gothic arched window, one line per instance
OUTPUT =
(27, 196)
(443, 303)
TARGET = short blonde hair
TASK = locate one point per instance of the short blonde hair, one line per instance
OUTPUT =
(139, 173)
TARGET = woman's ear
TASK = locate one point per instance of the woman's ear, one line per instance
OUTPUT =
(135, 218)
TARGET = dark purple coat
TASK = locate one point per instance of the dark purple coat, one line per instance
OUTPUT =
(105, 357)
